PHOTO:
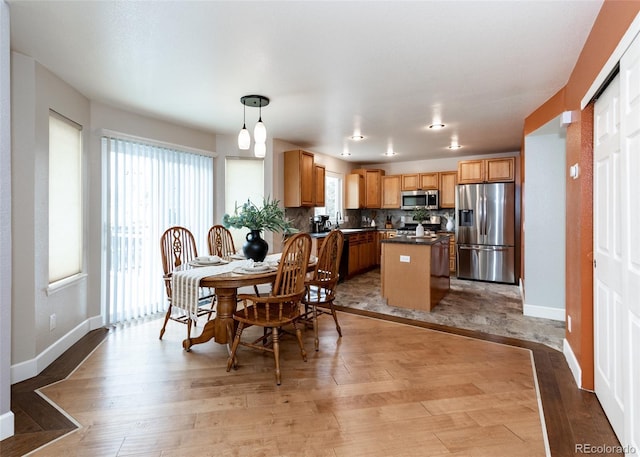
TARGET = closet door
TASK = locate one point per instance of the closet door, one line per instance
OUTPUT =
(616, 277)
(630, 220)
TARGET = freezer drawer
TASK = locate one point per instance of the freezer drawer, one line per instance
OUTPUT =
(487, 263)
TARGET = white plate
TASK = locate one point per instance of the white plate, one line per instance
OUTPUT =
(254, 270)
(204, 261)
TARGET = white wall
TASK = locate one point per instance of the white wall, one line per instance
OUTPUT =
(544, 222)
(34, 91)
(6, 416)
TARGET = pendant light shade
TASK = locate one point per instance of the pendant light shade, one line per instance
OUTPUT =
(244, 139)
(259, 131)
(260, 149)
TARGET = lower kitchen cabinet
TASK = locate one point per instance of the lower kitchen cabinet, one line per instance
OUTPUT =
(452, 252)
(362, 252)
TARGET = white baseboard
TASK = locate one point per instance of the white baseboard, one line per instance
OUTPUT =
(33, 367)
(6, 425)
(545, 312)
(572, 361)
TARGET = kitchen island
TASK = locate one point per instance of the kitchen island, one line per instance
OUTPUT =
(415, 271)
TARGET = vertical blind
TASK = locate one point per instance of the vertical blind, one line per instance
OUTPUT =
(150, 188)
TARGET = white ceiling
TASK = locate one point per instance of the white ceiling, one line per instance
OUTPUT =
(387, 68)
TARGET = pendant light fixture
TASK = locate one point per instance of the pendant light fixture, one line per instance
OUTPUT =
(244, 139)
(259, 131)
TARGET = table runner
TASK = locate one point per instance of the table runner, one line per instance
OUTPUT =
(185, 284)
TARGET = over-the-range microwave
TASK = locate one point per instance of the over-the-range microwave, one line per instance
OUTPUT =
(427, 199)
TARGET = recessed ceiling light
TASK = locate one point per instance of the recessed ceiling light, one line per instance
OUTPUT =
(455, 146)
(357, 137)
(436, 126)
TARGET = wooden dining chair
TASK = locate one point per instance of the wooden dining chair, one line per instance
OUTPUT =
(178, 247)
(280, 308)
(321, 285)
(220, 243)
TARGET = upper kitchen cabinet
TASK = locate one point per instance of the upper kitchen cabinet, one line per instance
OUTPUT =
(354, 191)
(420, 181)
(448, 181)
(391, 191)
(319, 184)
(299, 182)
(487, 170)
(372, 186)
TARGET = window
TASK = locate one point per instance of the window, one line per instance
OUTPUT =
(244, 179)
(333, 197)
(65, 198)
(149, 188)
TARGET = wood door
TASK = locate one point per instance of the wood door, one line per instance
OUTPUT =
(319, 184)
(391, 191)
(500, 170)
(307, 171)
(448, 181)
(429, 181)
(410, 181)
(373, 188)
(354, 191)
(470, 171)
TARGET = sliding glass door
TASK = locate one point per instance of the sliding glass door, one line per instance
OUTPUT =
(148, 188)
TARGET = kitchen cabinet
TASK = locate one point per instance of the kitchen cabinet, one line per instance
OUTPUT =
(448, 181)
(486, 170)
(299, 182)
(319, 174)
(354, 191)
(452, 251)
(382, 235)
(391, 191)
(362, 252)
(420, 181)
(372, 186)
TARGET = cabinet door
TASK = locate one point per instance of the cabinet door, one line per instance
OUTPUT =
(306, 184)
(470, 171)
(429, 181)
(298, 179)
(354, 191)
(448, 181)
(373, 188)
(391, 191)
(410, 181)
(319, 184)
(500, 170)
(354, 254)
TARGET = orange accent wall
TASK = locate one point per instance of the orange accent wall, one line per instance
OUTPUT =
(612, 22)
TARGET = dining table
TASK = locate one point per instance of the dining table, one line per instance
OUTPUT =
(226, 279)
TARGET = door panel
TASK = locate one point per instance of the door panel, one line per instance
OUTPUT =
(486, 263)
(608, 376)
(499, 220)
(470, 214)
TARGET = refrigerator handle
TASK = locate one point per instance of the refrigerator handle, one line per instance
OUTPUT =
(483, 222)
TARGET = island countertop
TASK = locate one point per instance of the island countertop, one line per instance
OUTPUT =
(418, 240)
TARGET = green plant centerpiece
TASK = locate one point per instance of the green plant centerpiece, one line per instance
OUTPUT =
(420, 215)
(268, 217)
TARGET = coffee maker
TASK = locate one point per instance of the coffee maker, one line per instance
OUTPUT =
(319, 224)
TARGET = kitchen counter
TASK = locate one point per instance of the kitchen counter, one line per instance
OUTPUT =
(419, 240)
(415, 271)
(348, 231)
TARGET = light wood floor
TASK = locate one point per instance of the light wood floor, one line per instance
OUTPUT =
(384, 389)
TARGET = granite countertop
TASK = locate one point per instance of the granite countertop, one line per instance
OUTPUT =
(412, 239)
(348, 231)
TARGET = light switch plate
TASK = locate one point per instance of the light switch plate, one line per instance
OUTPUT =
(405, 258)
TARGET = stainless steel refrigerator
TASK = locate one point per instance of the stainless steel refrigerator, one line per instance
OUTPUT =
(485, 231)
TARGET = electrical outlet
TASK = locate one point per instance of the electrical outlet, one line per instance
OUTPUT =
(52, 322)
(569, 323)
(345, 219)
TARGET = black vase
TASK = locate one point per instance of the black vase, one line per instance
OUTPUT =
(255, 248)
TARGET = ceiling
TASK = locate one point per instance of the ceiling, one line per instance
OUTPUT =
(385, 69)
